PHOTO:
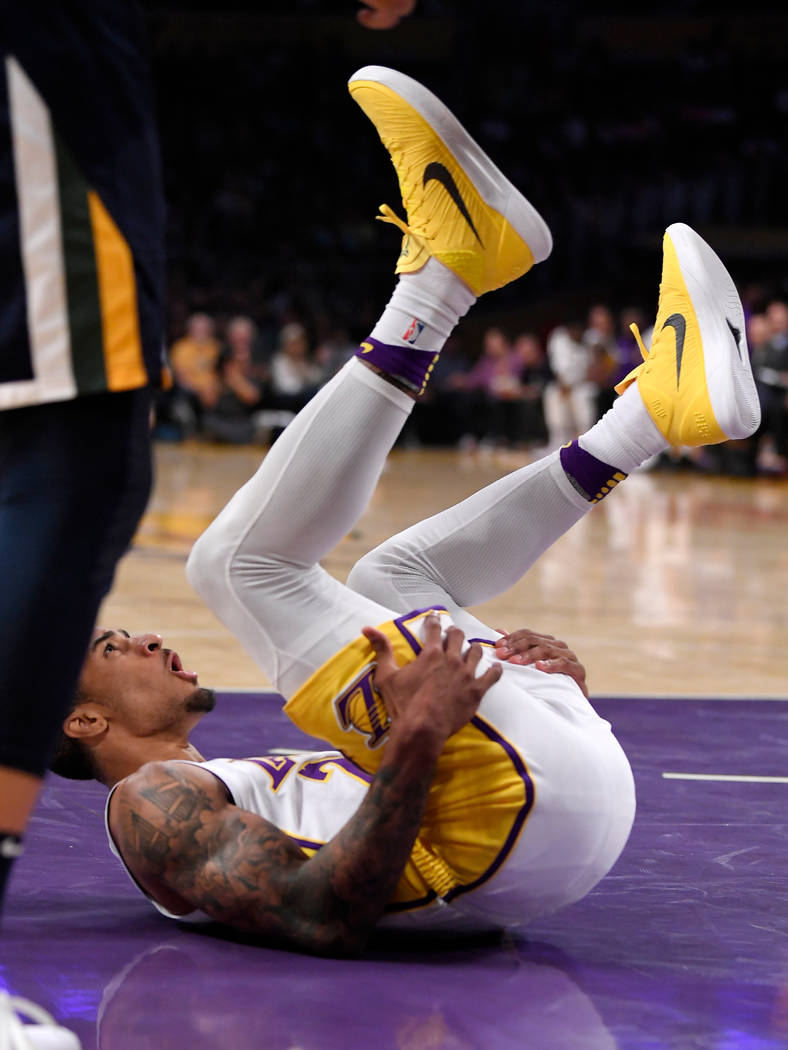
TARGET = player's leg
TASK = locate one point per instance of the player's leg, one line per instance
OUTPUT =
(81, 251)
(483, 545)
(694, 388)
(74, 469)
(75, 480)
(470, 231)
(576, 794)
(256, 565)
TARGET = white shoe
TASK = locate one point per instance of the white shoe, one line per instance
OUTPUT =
(696, 380)
(461, 209)
(42, 1034)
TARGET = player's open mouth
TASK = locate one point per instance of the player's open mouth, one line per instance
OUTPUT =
(176, 667)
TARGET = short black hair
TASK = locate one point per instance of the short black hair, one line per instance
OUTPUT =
(72, 758)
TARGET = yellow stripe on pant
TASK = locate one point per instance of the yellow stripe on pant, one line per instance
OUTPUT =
(123, 358)
(481, 793)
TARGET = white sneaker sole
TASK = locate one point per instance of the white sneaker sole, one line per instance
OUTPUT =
(490, 183)
(42, 1034)
(729, 379)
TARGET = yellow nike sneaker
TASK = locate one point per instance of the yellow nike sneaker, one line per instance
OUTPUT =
(461, 209)
(696, 380)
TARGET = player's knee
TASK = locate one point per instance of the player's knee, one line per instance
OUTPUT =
(368, 577)
(206, 566)
(219, 569)
(387, 574)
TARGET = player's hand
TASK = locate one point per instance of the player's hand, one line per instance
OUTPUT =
(384, 14)
(438, 691)
(543, 651)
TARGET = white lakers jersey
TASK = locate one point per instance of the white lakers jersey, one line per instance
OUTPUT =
(308, 795)
(530, 804)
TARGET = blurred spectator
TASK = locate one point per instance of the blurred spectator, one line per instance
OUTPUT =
(600, 338)
(231, 418)
(294, 376)
(758, 333)
(494, 369)
(482, 390)
(241, 335)
(194, 359)
(770, 361)
(570, 398)
(533, 375)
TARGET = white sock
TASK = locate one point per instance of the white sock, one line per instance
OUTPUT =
(626, 435)
(424, 308)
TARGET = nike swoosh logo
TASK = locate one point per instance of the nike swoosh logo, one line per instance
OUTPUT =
(677, 322)
(440, 173)
(736, 333)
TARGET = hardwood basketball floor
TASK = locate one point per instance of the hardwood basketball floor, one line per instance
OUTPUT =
(675, 585)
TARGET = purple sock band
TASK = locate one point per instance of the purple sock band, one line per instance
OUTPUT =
(592, 478)
(410, 366)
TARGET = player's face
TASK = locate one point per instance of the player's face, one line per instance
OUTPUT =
(144, 682)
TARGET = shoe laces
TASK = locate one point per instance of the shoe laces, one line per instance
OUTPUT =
(403, 166)
(644, 353)
(388, 214)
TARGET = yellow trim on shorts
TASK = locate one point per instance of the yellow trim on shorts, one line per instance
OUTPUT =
(482, 792)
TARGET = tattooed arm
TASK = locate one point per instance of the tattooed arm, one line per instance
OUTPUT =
(189, 847)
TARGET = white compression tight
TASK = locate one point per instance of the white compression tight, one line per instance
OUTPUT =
(256, 566)
(474, 550)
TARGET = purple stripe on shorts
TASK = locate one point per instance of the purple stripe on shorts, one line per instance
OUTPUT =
(412, 905)
(406, 633)
(307, 843)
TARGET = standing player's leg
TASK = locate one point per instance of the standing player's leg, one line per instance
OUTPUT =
(470, 231)
(75, 480)
(81, 253)
(694, 388)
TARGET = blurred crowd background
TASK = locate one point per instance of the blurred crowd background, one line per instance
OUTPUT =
(614, 122)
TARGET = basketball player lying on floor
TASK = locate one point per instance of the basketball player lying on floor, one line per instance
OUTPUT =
(465, 790)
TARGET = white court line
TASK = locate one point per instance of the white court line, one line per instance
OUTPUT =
(727, 697)
(731, 778)
(267, 692)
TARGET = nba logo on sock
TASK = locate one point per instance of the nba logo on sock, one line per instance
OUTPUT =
(413, 331)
